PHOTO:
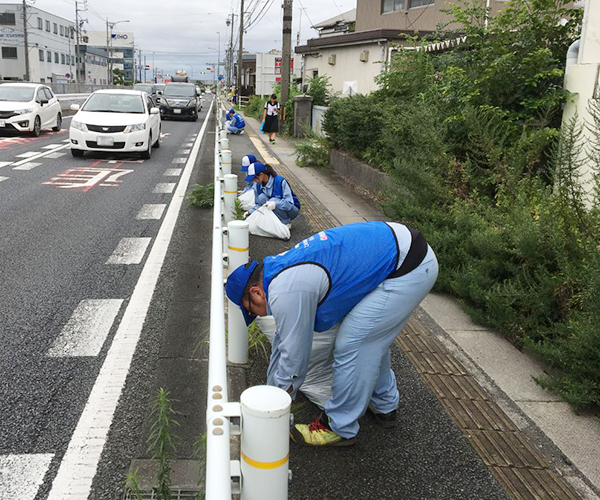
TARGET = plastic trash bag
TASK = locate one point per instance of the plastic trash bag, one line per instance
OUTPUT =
(262, 127)
(263, 222)
(247, 199)
(319, 376)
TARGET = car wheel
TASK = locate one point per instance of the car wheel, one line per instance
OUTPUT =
(157, 143)
(77, 153)
(37, 127)
(146, 155)
(58, 123)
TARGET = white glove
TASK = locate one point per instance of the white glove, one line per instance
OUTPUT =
(270, 205)
(246, 214)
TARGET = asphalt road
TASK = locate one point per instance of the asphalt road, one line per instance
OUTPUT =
(73, 244)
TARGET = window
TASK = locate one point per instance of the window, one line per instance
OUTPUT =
(62, 58)
(48, 26)
(72, 31)
(391, 6)
(72, 60)
(41, 55)
(7, 18)
(40, 23)
(55, 29)
(56, 57)
(49, 94)
(41, 96)
(62, 30)
(9, 53)
(49, 56)
(421, 3)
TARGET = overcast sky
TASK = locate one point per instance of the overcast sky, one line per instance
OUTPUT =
(183, 32)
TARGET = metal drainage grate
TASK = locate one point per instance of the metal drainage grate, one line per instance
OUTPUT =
(175, 495)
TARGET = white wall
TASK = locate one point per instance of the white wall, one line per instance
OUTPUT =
(348, 66)
(267, 74)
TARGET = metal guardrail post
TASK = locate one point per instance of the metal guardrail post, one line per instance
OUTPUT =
(265, 443)
(238, 253)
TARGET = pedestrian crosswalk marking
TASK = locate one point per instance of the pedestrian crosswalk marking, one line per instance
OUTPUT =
(87, 329)
(129, 251)
(22, 475)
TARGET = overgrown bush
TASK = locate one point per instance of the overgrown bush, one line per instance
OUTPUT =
(313, 150)
(255, 107)
(201, 195)
(471, 139)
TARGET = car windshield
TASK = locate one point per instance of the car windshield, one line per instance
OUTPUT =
(16, 94)
(114, 103)
(143, 88)
(179, 90)
(159, 88)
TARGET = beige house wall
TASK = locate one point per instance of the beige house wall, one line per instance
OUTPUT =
(348, 66)
(369, 16)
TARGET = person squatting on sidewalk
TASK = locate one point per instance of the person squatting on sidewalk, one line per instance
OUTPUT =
(273, 192)
(368, 278)
(235, 123)
(246, 162)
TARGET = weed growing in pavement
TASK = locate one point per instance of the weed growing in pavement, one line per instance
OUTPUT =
(313, 150)
(133, 483)
(238, 210)
(257, 341)
(200, 453)
(201, 195)
(161, 442)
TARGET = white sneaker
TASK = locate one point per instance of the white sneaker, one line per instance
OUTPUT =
(242, 132)
(289, 226)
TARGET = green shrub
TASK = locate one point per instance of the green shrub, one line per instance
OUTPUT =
(319, 88)
(201, 195)
(255, 107)
(313, 150)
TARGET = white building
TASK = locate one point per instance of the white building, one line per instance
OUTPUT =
(50, 40)
(121, 47)
(268, 70)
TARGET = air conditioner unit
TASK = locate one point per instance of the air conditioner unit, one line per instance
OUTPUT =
(331, 60)
(364, 56)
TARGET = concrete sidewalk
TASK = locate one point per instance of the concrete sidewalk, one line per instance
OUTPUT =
(568, 443)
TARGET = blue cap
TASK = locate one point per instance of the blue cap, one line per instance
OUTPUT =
(236, 284)
(253, 170)
(247, 161)
(230, 113)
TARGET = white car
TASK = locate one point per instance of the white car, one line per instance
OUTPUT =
(28, 107)
(115, 120)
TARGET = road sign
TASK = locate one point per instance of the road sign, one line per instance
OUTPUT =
(68, 75)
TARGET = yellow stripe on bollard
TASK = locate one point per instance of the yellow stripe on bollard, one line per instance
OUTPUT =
(265, 465)
(239, 249)
(230, 192)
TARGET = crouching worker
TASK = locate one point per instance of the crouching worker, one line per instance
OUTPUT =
(273, 192)
(246, 162)
(236, 122)
(368, 277)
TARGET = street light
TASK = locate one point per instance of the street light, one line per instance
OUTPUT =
(218, 60)
(218, 57)
(109, 39)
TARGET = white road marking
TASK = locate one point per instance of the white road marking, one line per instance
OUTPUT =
(55, 155)
(27, 166)
(52, 146)
(151, 211)
(164, 187)
(78, 467)
(22, 475)
(179, 160)
(3, 178)
(46, 153)
(28, 154)
(173, 172)
(189, 145)
(184, 152)
(129, 251)
(87, 328)
(5, 163)
(112, 161)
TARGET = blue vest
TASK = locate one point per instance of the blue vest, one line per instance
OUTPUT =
(238, 121)
(278, 190)
(356, 258)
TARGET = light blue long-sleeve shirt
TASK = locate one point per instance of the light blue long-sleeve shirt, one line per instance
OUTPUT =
(285, 203)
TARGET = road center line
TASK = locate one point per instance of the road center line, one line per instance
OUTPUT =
(78, 467)
(87, 328)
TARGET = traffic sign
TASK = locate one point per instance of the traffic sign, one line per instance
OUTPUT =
(68, 75)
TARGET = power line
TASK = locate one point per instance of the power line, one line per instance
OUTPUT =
(258, 19)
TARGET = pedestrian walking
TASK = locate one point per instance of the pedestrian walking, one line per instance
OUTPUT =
(271, 118)
(367, 278)
(273, 192)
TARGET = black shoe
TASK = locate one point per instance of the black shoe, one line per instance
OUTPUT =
(386, 420)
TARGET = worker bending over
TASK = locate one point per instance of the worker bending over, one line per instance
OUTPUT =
(236, 123)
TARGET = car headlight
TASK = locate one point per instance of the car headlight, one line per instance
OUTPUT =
(24, 111)
(192, 102)
(134, 128)
(78, 126)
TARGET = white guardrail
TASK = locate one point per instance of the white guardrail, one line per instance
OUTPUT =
(262, 417)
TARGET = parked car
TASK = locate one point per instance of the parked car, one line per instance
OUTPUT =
(180, 100)
(115, 120)
(29, 107)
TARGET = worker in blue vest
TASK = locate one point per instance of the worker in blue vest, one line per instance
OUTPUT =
(273, 191)
(367, 278)
(236, 122)
(246, 162)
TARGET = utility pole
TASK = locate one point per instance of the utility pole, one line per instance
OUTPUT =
(76, 41)
(286, 53)
(240, 55)
(230, 55)
(107, 54)
(26, 44)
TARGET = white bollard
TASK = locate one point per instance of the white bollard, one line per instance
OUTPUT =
(223, 134)
(229, 193)
(238, 255)
(265, 443)
(226, 161)
(224, 144)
